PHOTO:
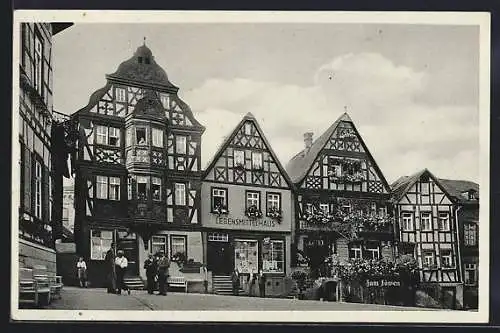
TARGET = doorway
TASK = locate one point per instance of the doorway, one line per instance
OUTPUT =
(128, 244)
(220, 257)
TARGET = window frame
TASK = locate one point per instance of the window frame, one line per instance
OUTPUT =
(165, 100)
(324, 205)
(157, 137)
(371, 250)
(283, 256)
(171, 243)
(38, 179)
(422, 225)
(355, 248)
(153, 243)
(449, 256)
(255, 165)
(145, 128)
(38, 64)
(468, 269)
(117, 185)
(101, 135)
(116, 134)
(404, 224)
(247, 192)
(138, 181)
(176, 197)
(243, 162)
(428, 254)
(182, 151)
(271, 194)
(92, 257)
(117, 95)
(213, 196)
(156, 181)
(440, 221)
(470, 234)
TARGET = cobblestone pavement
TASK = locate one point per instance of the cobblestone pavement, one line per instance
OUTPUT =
(98, 299)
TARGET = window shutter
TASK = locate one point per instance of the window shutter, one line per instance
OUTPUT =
(27, 180)
(45, 193)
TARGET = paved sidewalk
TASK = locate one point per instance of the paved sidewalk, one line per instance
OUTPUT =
(99, 299)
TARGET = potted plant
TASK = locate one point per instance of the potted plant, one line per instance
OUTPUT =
(220, 210)
(253, 211)
(275, 213)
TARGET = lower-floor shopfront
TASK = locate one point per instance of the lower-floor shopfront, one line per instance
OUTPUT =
(247, 252)
(95, 241)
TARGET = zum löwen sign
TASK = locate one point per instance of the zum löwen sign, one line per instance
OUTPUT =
(383, 283)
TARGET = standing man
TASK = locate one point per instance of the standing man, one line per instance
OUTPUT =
(121, 264)
(163, 266)
(110, 264)
(151, 269)
(235, 279)
(262, 284)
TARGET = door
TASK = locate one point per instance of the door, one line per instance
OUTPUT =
(128, 244)
(220, 258)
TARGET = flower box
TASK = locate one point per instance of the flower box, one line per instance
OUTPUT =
(274, 213)
(253, 211)
(220, 210)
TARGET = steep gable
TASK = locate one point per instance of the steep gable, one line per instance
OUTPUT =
(246, 157)
(338, 160)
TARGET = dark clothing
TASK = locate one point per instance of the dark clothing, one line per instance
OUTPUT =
(111, 276)
(163, 266)
(151, 271)
(235, 279)
(120, 283)
(262, 285)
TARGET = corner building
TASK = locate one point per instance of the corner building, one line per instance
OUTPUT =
(247, 209)
(137, 171)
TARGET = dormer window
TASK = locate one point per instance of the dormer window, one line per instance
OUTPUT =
(146, 61)
(469, 195)
(120, 95)
(139, 60)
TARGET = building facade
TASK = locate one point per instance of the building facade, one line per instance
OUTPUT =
(68, 213)
(466, 194)
(247, 209)
(428, 229)
(342, 199)
(138, 170)
(39, 219)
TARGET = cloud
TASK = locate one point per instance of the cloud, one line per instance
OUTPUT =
(403, 135)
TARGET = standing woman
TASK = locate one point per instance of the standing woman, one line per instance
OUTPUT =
(110, 264)
(121, 266)
(81, 267)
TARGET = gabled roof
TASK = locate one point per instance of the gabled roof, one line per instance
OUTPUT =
(248, 117)
(403, 184)
(457, 187)
(298, 167)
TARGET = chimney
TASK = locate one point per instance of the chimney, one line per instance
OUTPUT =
(308, 139)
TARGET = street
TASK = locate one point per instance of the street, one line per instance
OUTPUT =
(97, 299)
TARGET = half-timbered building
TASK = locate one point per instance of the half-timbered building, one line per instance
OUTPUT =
(342, 198)
(466, 194)
(427, 229)
(39, 209)
(247, 210)
(137, 170)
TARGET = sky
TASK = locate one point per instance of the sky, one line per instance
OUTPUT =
(412, 91)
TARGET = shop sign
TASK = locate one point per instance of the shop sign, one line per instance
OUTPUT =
(245, 222)
(383, 283)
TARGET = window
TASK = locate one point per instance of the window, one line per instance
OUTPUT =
(102, 187)
(38, 189)
(38, 64)
(428, 259)
(142, 187)
(470, 234)
(256, 161)
(108, 136)
(140, 136)
(219, 198)
(426, 221)
(446, 259)
(177, 246)
(102, 135)
(425, 188)
(180, 194)
(165, 101)
(325, 208)
(407, 221)
(114, 188)
(373, 252)
(158, 243)
(273, 256)
(355, 251)
(129, 187)
(180, 144)
(157, 137)
(253, 199)
(100, 243)
(121, 95)
(156, 188)
(346, 207)
(246, 255)
(114, 137)
(444, 221)
(218, 237)
(248, 128)
(334, 168)
(470, 274)
(239, 158)
(273, 201)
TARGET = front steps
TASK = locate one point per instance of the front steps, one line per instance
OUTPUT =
(134, 283)
(222, 285)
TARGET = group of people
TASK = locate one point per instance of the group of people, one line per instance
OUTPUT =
(117, 266)
(157, 272)
(252, 280)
